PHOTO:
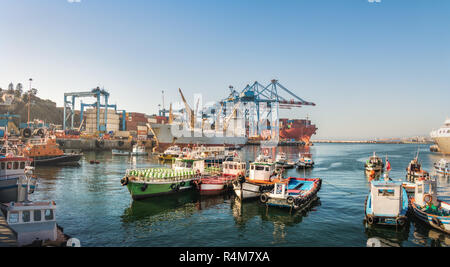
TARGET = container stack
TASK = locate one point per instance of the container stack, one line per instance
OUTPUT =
(91, 121)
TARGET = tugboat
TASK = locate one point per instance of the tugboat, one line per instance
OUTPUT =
(262, 177)
(45, 151)
(387, 203)
(218, 183)
(428, 208)
(145, 183)
(282, 161)
(294, 193)
(374, 163)
(305, 161)
(442, 167)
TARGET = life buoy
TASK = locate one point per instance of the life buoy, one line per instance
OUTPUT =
(263, 198)
(290, 200)
(370, 220)
(427, 196)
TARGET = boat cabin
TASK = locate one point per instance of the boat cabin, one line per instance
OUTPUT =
(425, 188)
(234, 168)
(387, 199)
(261, 171)
(13, 166)
(181, 164)
(31, 221)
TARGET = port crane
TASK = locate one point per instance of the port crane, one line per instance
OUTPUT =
(255, 97)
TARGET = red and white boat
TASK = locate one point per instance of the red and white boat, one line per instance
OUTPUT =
(218, 184)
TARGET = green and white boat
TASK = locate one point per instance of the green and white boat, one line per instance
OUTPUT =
(145, 183)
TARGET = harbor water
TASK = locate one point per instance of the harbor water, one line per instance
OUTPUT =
(93, 206)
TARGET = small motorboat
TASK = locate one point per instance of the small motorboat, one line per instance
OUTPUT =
(294, 193)
(171, 153)
(387, 203)
(282, 161)
(442, 167)
(305, 161)
(428, 208)
(138, 150)
(374, 164)
(117, 152)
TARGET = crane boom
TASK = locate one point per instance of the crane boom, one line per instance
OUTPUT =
(233, 114)
(188, 110)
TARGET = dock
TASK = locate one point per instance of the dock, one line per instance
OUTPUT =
(7, 235)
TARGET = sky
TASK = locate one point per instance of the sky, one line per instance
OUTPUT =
(374, 69)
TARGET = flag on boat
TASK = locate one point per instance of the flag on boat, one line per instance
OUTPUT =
(388, 166)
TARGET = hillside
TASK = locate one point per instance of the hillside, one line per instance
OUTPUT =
(41, 109)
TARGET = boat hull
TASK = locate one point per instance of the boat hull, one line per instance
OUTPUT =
(249, 190)
(441, 223)
(443, 143)
(67, 159)
(143, 190)
(9, 190)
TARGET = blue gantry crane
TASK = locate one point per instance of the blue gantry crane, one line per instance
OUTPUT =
(272, 96)
(69, 106)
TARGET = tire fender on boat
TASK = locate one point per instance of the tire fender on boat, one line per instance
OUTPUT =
(400, 221)
(370, 220)
(182, 183)
(290, 200)
(263, 198)
(124, 181)
(144, 187)
(173, 186)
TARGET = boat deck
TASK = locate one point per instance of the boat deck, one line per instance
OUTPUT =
(7, 236)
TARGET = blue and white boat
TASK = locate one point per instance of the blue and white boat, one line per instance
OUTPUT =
(428, 208)
(387, 203)
(295, 193)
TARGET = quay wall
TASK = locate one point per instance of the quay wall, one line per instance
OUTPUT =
(94, 144)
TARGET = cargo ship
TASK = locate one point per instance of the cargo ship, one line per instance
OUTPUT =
(197, 137)
(442, 137)
(298, 130)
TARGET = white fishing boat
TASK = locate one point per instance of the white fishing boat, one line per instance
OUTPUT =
(138, 150)
(118, 152)
(428, 208)
(262, 177)
(374, 163)
(305, 161)
(442, 167)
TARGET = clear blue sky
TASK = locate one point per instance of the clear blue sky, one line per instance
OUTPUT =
(373, 69)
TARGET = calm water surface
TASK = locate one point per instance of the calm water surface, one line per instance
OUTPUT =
(95, 208)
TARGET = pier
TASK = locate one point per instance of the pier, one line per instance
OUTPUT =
(7, 235)
(95, 144)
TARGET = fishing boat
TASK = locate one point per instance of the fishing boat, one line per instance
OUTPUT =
(305, 161)
(218, 183)
(442, 167)
(374, 163)
(138, 150)
(14, 170)
(171, 153)
(428, 208)
(387, 203)
(282, 161)
(34, 222)
(294, 193)
(117, 152)
(262, 177)
(45, 151)
(414, 170)
(145, 183)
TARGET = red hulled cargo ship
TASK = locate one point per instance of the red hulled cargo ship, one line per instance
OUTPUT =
(299, 130)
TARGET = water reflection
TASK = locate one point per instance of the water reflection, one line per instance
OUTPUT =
(386, 236)
(244, 212)
(425, 235)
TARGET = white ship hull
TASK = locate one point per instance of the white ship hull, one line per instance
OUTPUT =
(166, 138)
(443, 143)
(248, 190)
